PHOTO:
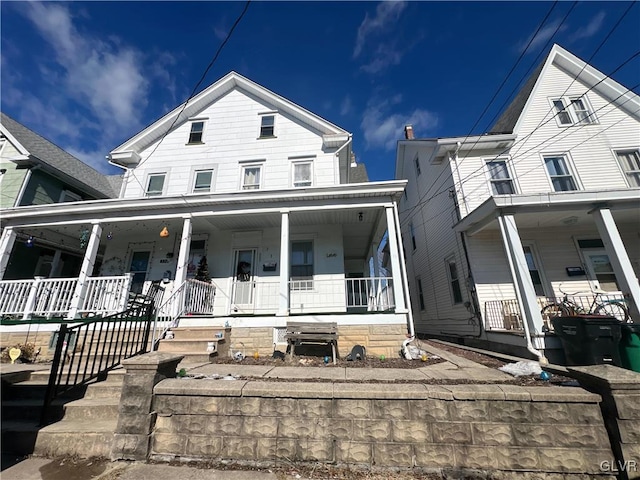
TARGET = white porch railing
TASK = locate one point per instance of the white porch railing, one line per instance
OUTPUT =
(52, 297)
(192, 297)
(357, 295)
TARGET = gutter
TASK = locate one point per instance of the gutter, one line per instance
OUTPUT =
(337, 154)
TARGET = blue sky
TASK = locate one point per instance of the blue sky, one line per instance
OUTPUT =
(89, 75)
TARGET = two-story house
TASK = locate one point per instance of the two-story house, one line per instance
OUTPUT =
(34, 171)
(264, 196)
(498, 226)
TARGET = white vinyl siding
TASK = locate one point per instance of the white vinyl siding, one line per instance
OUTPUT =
(232, 125)
(630, 163)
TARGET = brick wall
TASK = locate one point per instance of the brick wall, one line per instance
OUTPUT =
(487, 427)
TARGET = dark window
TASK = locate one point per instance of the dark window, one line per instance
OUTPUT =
(501, 182)
(561, 176)
(455, 282)
(413, 236)
(267, 126)
(302, 265)
(196, 132)
(155, 184)
(420, 294)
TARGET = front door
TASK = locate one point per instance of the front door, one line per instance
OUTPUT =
(243, 282)
(601, 270)
(138, 268)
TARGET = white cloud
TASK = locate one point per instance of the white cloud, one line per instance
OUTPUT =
(590, 29)
(541, 38)
(385, 56)
(104, 77)
(382, 128)
(346, 106)
(387, 14)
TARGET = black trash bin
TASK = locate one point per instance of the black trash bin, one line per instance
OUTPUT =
(589, 339)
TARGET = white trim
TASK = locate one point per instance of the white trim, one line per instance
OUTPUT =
(165, 182)
(546, 286)
(570, 167)
(203, 168)
(614, 152)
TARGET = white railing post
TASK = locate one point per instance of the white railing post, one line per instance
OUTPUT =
(124, 291)
(6, 245)
(86, 269)
(283, 304)
(32, 298)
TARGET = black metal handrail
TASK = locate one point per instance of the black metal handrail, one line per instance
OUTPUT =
(88, 350)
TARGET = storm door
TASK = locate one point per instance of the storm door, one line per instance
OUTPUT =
(243, 281)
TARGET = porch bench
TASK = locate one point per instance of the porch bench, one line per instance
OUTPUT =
(320, 333)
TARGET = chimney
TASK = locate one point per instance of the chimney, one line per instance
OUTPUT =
(408, 132)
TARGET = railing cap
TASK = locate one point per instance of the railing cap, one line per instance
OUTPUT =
(151, 361)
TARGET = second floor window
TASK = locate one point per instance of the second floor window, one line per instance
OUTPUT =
(302, 174)
(454, 281)
(500, 178)
(155, 184)
(251, 177)
(195, 136)
(267, 126)
(418, 171)
(203, 181)
(630, 162)
(560, 174)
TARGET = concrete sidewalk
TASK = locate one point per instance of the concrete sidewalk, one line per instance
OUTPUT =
(69, 469)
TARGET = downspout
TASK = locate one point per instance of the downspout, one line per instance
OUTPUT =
(337, 154)
(405, 286)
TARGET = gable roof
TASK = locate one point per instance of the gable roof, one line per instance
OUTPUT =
(332, 134)
(38, 150)
(577, 68)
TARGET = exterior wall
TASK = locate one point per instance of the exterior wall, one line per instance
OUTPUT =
(12, 179)
(590, 148)
(543, 430)
(43, 189)
(230, 136)
(435, 241)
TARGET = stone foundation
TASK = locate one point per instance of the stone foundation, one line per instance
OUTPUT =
(378, 339)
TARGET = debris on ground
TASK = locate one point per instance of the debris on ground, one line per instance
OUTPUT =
(521, 369)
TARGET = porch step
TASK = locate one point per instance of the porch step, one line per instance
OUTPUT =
(193, 343)
(188, 345)
(200, 333)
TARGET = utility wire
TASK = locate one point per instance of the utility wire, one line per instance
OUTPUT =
(195, 89)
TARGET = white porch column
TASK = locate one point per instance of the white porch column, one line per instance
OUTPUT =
(183, 255)
(619, 259)
(525, 292)
(396, 272)
(86, 270)
(6, 245)
(283, 304)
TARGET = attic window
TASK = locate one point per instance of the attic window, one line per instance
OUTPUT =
(573, 111)
(267, 126)
(196, 132)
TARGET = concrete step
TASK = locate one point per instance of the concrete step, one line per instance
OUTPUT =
(88, 438)
(113, 376)
(188, 345)
(200, 333)
(92, 409)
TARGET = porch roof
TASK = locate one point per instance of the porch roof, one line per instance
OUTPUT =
(196, 205)
(552, 209)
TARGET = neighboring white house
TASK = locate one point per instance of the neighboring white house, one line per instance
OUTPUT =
(499, 225)
(269, 193)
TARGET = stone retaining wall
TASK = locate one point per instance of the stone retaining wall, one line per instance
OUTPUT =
(487, 427)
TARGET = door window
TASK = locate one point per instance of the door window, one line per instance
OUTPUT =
(600, 267)
(138, 267)
(536, 278)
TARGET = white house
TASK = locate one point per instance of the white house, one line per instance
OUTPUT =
(498, 226)
(268, 192)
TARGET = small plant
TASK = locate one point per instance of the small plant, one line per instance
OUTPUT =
(28, 353)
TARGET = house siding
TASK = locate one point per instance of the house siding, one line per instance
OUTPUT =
(43, 189)
(230, 139)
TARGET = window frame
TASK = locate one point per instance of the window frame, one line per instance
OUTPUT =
(150, 175)
(302, 282)
(627, 174)
(569, 167)
(421, 303)
(191, 132)
(243, 169)
(575, 118)
(412, 235)
(508, 168)
(454, 283)
(261, 127)
(194, 177)
(416, 163)
(296, 163)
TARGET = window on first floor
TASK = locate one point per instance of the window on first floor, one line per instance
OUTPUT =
(155, 184)
(454, 280)
(420, 294)
(630, 163)
(302, 265)
(195, 135)
(251, 177)
(560, 174)
(500, 177)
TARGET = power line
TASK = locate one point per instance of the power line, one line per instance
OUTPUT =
(195, 89)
